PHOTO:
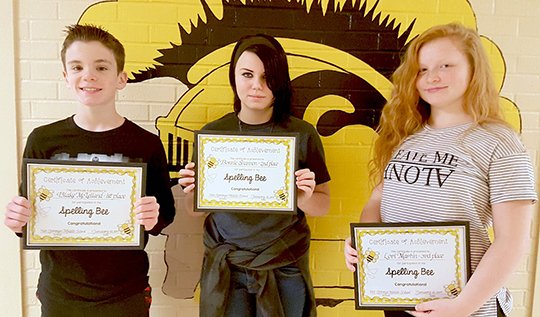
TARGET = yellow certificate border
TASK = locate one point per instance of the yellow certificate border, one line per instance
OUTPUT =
(459, 231)
(130, 234)
(285, 197)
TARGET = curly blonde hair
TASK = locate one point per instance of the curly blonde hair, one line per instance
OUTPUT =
(406, 113)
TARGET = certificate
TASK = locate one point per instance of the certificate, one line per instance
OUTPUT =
(82, 204)
(245, 172)
(403, 264)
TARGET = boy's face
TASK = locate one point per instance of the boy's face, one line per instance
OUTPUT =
(91, 73)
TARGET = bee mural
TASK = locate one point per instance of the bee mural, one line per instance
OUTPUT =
(126, 228)
(44, 194)
(281, 194)
(452, 289)
(341, 55)
(211, 162)
(371, 256)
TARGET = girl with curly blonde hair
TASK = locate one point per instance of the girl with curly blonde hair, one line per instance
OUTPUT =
(445, 154)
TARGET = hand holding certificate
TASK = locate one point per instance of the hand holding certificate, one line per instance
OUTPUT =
(403, 264)
(79, 204)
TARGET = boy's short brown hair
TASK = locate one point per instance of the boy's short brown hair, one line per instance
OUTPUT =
(88, 33)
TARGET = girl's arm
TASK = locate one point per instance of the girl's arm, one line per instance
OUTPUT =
(370, 213)
(372, 209)
(314, 200)
(187, 181)
(511, 225)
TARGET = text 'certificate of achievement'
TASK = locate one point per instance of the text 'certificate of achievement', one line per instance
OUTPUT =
(246, 173)
(83, 205)
(403, 264)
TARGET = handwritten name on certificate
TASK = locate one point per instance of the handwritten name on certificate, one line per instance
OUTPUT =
(247, 173)
(403, 264)
(83, 205)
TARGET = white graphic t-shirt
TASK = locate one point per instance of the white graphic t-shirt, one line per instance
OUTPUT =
(456, 174)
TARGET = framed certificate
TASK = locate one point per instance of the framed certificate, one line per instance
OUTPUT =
(245, 172)
(403, 264)
(82, 204)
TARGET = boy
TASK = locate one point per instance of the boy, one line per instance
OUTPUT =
(97, 283)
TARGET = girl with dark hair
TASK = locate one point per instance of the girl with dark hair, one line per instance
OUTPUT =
(256, 264)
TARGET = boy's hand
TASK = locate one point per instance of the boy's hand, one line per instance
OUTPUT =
(187, 177)
(147, 212)
(17, 214)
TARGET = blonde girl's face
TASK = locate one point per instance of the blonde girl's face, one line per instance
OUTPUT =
(444, 75)
(251, 87)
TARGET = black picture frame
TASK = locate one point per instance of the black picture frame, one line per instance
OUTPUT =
(130, 235)
(374, 241)
(214, 182)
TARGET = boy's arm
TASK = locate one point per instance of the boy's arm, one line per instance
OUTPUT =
(17, 211)
(159, 186)
(17, 214)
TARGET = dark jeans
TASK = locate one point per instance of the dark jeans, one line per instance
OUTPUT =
(398, 313)
(137, 305)
(242, 298)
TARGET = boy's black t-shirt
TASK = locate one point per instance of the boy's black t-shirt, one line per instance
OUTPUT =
(90, 277)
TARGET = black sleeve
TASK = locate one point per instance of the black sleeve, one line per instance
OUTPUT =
(315, 158)
(159, 185)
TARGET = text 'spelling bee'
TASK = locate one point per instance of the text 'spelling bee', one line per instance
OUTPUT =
(281, 194)
(452, 289)
(126, 228)
(212, 162)
(44, 194)
(371, 256)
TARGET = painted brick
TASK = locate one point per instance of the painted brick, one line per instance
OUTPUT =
(530, 138)
(531, 120)
(156, 110)
(36, 90)
(69, 10)
(483, 7)
(38, 10)
(52, 110)
(24, 70)
(46, 70)
(135, 111)
(155, 93)
(529, 64)
(46, 30)
(528, 101)
(145, 12)
(24, 30)
(512, 7)
(522, 83)
(40, 50)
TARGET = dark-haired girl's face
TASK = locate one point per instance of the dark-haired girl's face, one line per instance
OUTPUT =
(252, 89)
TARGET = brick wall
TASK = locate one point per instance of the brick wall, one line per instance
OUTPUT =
(43, 97)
